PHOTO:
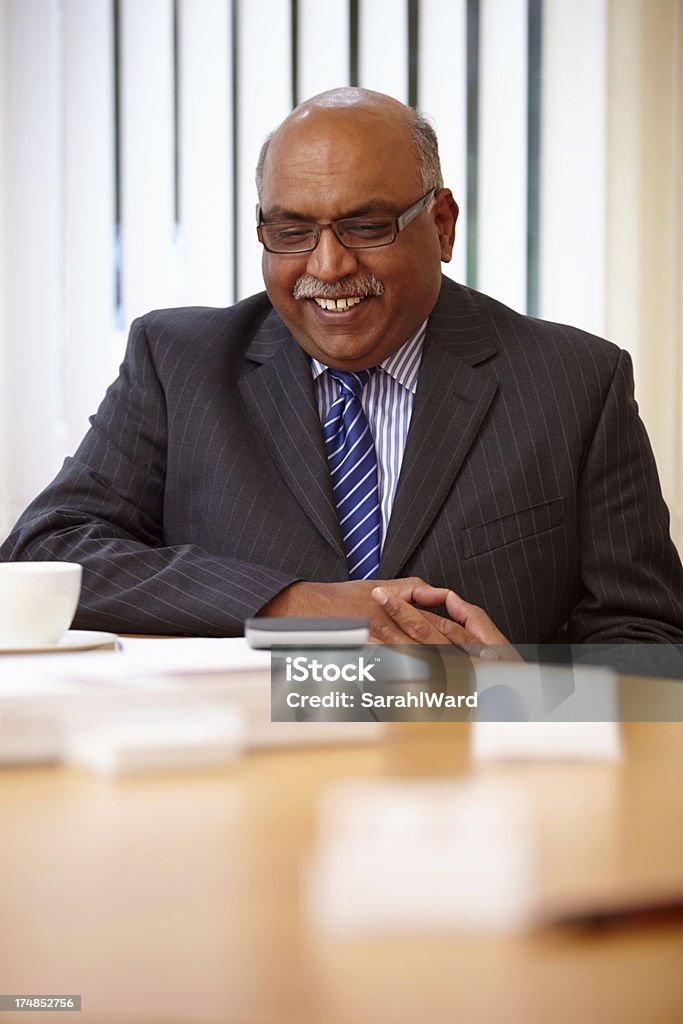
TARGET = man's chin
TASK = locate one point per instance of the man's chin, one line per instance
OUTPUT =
(339, 344)
(345, 354)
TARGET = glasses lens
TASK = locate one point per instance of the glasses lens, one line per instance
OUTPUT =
(289, 237)
(364, 232)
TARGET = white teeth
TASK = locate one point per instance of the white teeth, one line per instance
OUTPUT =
(339, 304)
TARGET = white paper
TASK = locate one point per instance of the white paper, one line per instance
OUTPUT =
(547, 741)
(46, 699)
(565, 713)
(423, 856)
(157, 740)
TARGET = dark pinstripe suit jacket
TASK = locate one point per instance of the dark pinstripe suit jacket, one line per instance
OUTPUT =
(528, 484)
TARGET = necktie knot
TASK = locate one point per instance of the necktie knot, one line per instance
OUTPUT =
(352, 382)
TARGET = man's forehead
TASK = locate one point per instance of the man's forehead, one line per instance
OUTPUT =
(329, 144)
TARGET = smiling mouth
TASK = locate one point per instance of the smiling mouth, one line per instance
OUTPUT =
(338, 305)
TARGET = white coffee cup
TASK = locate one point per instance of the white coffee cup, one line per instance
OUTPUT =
(37, 601)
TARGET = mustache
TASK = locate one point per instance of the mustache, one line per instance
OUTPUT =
(360, 285)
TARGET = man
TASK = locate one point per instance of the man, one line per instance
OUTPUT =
(514, 486)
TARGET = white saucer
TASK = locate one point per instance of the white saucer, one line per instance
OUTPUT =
(72, 640)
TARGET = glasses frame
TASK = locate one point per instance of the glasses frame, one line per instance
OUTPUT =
(397, 223)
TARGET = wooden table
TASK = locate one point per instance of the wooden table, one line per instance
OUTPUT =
(177, 898)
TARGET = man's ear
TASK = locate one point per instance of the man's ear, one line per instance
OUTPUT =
(445, 216)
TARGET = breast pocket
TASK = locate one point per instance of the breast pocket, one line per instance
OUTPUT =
(513, 527)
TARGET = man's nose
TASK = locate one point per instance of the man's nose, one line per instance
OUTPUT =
(330, 260)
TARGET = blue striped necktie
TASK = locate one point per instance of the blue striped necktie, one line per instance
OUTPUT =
(350, 450)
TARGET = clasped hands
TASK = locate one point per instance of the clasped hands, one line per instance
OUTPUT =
(397, 611)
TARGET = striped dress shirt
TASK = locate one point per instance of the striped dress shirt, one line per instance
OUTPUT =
(388, 404)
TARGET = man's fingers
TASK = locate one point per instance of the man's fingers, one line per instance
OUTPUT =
(468, 625)
(454, 633)
(430, 597)
(404, 588)
(424, 628)
(383, 629)
(474, 618)
(414, 623)
(471, 616)
(388, 632)
(462, 611)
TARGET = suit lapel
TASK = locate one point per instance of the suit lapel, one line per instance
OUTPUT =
(280, 400)
(451, 401)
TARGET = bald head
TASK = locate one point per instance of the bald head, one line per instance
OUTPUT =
(337, 106)
(349, 97)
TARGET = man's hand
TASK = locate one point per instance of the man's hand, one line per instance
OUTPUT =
(346, 600)
(395, 622)
(469, 627)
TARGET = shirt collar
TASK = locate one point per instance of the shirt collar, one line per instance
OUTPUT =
(403, 365)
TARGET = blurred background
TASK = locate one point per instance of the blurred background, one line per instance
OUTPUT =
(129, 131)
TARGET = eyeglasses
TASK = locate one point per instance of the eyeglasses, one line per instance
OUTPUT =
(352, 232)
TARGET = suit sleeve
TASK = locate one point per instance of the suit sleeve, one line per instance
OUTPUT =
(105, 510)
(631, 577)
